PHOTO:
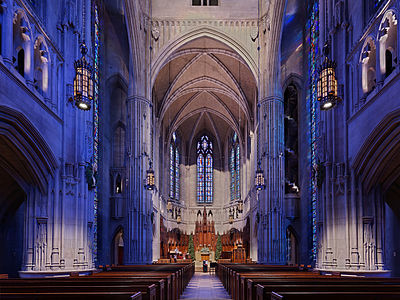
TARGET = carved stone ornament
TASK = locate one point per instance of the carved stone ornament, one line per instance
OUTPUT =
(254, 34)
(155, 32)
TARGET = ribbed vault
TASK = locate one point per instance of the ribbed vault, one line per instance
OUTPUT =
(205, 86)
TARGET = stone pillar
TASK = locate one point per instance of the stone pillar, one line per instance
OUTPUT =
(7, 40)
(272, 231)
(56, 238)
(272, 210)
(354, 252)
(139, 202)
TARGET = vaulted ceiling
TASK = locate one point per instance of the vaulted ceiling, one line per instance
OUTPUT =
(205, 86)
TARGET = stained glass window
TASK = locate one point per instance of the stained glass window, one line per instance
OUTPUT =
(177, 187)
(204, 170)
(96, 46)
(234, 166)
(232, 169)
(171, 171)
(174, 180)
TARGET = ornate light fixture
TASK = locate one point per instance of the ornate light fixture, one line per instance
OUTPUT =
(230, 216)
(259, 180)
(327, 88)
(178, 217)
(150, 178)
(83, 82)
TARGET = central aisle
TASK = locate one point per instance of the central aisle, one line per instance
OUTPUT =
(205, 286)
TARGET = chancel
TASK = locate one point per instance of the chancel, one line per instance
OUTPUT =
(199, 149)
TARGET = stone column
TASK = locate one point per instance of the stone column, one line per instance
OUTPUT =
(7, 41)
(272, 137)
(272, 240)
(354, 254)
(139, 200)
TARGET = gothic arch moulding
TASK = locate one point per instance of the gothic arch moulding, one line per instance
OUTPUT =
(31, 150)
(378, 160)
(295, 79)
(199, 32)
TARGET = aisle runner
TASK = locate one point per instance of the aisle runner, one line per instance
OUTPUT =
(205, 286)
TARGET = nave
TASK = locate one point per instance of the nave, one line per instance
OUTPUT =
(175, 281)
(205, 286)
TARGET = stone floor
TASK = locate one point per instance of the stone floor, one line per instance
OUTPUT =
(204, 286)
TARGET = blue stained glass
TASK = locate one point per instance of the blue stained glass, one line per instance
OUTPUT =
(200, 178)
(96, 46)
(232, 167)
(171, 171)
(238, 172)
(204, 171)
(235, 168)
(177, 184)
(209, 177)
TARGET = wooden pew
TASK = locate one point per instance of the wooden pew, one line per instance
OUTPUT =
(387, 283)
(265, 291)
(73, 295)
(163, 281)
(365, 295)
(262, 281)
(153, 282)
(148, 291)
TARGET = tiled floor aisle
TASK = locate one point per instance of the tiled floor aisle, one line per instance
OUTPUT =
(204, 286)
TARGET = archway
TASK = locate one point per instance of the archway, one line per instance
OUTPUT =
(292, 247)
(12, 213)
(204, 95)
(377, 164)
(118, 248)
(26, 166)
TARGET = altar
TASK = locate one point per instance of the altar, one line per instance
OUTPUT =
(205, 254)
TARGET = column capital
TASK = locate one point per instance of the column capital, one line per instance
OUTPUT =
(270, 99)
(137, 98)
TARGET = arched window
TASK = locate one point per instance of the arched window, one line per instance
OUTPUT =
(41, 67)
(204, 170)
(234, 166)
(21, 42)
(118, 184)
(388, 43)
(174, 172)
(291, 140)
(368, 58)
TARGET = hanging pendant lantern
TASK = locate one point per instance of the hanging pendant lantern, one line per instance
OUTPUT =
(150, 178)
(83, 82)
(259, 180)
(178, 217)
(327, 87)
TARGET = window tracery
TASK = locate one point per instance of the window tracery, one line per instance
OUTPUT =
(174, 172)
(234, 165)
(204, 170)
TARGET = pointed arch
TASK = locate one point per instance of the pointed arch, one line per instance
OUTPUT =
(198, 32)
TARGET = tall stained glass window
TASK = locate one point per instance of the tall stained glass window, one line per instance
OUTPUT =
(234, 166)
(96, 58)
(204, 170)
(174, 174)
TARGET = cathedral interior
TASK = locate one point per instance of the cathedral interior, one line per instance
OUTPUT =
(136, 132)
